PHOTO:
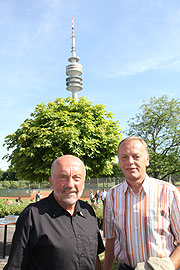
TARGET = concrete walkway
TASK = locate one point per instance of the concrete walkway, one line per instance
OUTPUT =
(10, 232)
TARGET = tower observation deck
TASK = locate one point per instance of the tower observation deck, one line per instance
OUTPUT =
(74, 70)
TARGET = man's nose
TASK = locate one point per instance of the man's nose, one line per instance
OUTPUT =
(70, 182)
(131, 160)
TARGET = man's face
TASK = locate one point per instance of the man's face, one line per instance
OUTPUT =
(133, 160)
(67, 181)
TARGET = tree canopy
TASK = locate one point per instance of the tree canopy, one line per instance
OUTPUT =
(1, 173)
(64, 127)
(8, 175)
(158, 124)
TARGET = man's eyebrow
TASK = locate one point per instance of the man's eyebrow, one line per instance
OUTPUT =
(62, 174)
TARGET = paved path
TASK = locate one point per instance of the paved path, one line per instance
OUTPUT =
(10, 232)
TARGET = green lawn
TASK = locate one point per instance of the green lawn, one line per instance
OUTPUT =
(115, 266)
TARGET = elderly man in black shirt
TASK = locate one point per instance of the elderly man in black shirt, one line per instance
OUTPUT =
(59, 232)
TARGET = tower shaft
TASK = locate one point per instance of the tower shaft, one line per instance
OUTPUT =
(74, 70)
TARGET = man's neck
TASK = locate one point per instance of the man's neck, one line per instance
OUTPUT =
(69, 208)
(135, 184)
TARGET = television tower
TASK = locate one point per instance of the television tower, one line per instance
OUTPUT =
(74, 70)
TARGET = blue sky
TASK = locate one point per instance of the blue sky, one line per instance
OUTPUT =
(129, 50)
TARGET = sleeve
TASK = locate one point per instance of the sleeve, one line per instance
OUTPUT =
(175, 215)
(108, 218)
(100, 244)
(20, 252)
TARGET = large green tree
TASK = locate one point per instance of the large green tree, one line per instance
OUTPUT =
(158, 124)
(64, 127)
(9, 175)
(1, 173)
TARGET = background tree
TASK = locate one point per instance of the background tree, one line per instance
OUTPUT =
(117, 171)
(6, 184)
(1, 173)
(9, 175)
(64, 127)
(158, 124)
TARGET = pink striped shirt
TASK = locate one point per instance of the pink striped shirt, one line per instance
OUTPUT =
(144, 224)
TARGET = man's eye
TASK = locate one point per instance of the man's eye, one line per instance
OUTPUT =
(62, 177)
(77, 178)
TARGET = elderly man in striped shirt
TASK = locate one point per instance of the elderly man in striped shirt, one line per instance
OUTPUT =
(141, 215)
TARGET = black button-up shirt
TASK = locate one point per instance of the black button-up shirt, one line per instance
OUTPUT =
(47, 237)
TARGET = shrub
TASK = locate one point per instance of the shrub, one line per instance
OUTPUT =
(12, 209)
(99, 215)
(6, 184)
(14, 184)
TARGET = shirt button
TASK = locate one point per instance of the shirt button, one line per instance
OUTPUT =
(79, 236)
(82, 254)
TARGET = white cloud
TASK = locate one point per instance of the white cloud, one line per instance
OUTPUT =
(143, 66)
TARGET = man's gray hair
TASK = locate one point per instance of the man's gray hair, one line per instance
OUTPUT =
(133, 138)
(56, 160)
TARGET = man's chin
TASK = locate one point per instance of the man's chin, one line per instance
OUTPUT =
(70, 201)
(131, 176)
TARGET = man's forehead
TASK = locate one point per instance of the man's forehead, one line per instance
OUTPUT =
(69, 160)
(71, 167)
(68, 163)
(131, 146)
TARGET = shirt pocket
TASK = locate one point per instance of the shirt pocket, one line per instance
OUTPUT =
(158, 223)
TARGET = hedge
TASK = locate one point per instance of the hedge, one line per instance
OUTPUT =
(15, 209)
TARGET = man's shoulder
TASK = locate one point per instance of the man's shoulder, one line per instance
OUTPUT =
(117, 187)
(116, 191)
(159, 181)
(162, 184)
(85, 206)
(36, 207)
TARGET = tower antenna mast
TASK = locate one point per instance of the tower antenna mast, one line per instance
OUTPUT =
(74, 70)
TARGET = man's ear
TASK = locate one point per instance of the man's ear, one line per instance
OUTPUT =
(51, 182)
(147, 160)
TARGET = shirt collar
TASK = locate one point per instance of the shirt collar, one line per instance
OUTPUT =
(145, 185)
(125, 186)
(58, 209)
(79, 210)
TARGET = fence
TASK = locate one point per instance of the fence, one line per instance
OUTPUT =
(90, 184)
(100, 183)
